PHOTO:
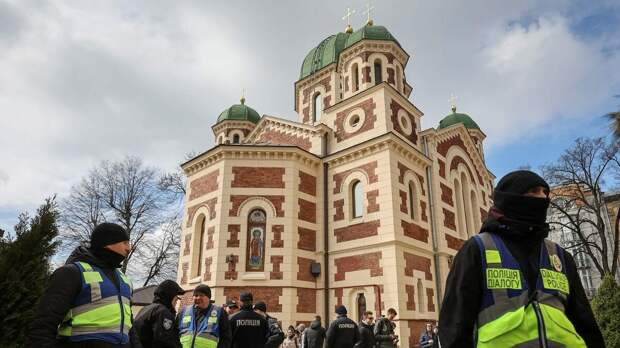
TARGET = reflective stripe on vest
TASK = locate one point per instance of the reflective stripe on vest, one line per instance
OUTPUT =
(204, 334)
(508, 315)
(100, 311)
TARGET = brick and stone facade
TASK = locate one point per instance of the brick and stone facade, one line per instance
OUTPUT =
(377, 204)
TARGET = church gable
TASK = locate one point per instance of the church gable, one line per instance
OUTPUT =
(274, 131)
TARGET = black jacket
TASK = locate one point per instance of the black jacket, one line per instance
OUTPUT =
(342, 333)
(314, 336)
(275, 337)
(249, 329)
(384, 333)
(367, 336)
(64, 285)
(464, 285)
(156, 324)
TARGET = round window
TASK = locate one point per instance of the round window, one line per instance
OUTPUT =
(404, 122)
(354, 121)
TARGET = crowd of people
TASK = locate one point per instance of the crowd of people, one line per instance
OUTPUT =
(508, 286)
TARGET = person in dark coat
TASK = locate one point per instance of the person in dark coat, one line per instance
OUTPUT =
(427, 338)
(367, 331)
(384, 330)
(518, 218)
(314, 336)
(109, 246)
(249, 329)
(343, 332)
(275, 337)
(155, 324)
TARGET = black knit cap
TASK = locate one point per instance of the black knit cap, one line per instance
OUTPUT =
(261, 305)
(520, 181)
(107, 233)
(203, 289)
(246, 297)
(341, 310)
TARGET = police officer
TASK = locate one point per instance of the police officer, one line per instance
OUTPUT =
(87, 301)
(342, 332)
(232, 308)
(203, 324)
(275, 337)
(511, 286)
(249, 329)
(155, 324)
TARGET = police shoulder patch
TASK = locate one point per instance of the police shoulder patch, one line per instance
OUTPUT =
(557, 263)
(214, 313)
(167, 324)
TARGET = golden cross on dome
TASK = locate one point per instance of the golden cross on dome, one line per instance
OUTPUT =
(369, 8)
(350, 12)
(243, 96)
(453, 102)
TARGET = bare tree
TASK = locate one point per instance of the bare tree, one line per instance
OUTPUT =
(160, 255)
(580, 174)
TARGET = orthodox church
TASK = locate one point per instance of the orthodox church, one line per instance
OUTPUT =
(351, 204)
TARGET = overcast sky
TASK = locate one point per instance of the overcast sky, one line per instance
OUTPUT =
(86, 81)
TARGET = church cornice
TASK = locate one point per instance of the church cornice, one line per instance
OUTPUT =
(378, 46)
(286, 125)
(312, 79)
(370, 147)
(253, 152)
(232, 124)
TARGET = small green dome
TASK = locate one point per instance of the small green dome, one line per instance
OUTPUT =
(455, 118)
(324, 54)
(370, 32)
(239, 112)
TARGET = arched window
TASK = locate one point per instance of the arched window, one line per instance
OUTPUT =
(413, 199)
(460, 212)
(317, 107)
(476, 213)
(361, 306)
(255, 250)
(421, 302)
(236, 139)
(469, 226)
(356, 199)
(378, 72)
(355, 77)
(198, 247)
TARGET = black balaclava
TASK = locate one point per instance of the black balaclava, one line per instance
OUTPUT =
(166, 292)
(106, 234)
(509, 199)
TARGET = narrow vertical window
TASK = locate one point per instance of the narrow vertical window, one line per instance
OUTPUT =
(460, 213)
(355, 77)
(236, 139)
(255, 250)
(199, 247)
(397, 78)
(413, 199)
(421, 304)
(467, 205)
(475, 212)
(356, 199)
(317, 107)
(378, 72)
(361, 306)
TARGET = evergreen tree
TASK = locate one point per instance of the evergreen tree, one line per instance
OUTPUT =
(606, 306)
(24, 271)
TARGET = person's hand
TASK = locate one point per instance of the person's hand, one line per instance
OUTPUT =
(430, 341)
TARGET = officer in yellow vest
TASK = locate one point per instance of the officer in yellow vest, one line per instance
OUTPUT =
(203, 324)
(87, 302)
(511, 287)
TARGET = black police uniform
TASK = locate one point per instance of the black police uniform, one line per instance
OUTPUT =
(155, 324)
(342, 333)
(275, 337)
(249, 329)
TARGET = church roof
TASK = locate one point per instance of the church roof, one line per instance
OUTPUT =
(328, 50)
(455, 118)
(239, 112)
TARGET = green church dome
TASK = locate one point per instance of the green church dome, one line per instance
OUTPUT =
(239, 112)
(370, 32)
(324, 54)
(455, 118)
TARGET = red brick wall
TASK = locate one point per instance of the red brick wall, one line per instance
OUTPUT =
(445, 145)
(449, 219)
(430, 294)
(203, 185)
(278, 137)
(233, 240)
(339, 206)
(188, 239)
(390, 78)
(454, 243)
(442, 168)
(456, 160)
(357, 231)
(410, 290)
(232, 268)
(395, 107)
(368, 261)
(257, 177)
(366, 74)
(191, 211)
(306, 300)
(307, 183)
(418, 263)
(403, 201)
(368, 168)
(446, 194)
(276, 200)
(338, 293)
(421, 180)
(307, 239)
(277, 241)
(414, 231)
(270, 295)
(416, 327)
(368, 106)
(304, 269)
(423, 211)
(276, 260)
(372, 206)
(210, 232)
(307, 210)
(207, 275)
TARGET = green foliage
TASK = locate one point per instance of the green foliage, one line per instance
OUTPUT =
(606, 306)
(24, 272)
